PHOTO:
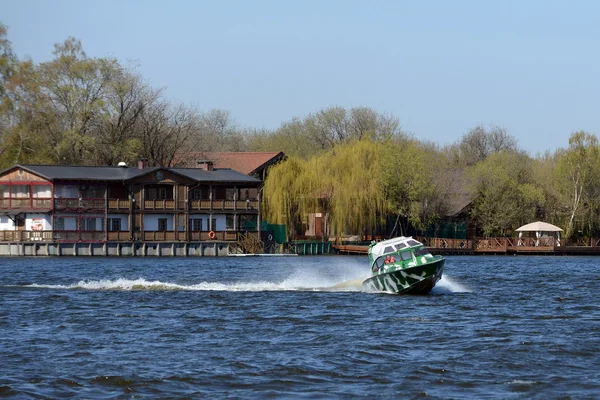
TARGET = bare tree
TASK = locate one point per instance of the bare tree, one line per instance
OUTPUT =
(217, 131)
(115, 133)
(479, 143)
(164, 130)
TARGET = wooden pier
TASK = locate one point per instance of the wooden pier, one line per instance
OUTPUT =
(494, 246)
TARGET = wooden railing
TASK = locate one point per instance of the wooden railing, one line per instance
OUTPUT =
(230, 236)
(224, 205)
(86, 204)
(159, 204)
(119, 204)
(493, 243)
(118, 236)
(124, 204)
(25, 236)
(26, 203)
(79, 236)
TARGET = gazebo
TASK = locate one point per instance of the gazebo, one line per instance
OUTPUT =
(541, 229)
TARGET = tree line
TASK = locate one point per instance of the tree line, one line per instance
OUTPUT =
(356, 165)
(361, 182)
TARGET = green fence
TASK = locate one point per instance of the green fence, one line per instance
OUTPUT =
(278, 231)
(310, 248)
(449, 230)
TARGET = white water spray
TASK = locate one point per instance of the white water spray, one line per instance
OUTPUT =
(447, 285)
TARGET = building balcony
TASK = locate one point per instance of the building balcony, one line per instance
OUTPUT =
(26, 236)
(228, 236)
(159, 204)
(224, 205)
(119, 204)
(26, 203)
(72, 204)
(79, 236)
(79, 204)
(116, 236)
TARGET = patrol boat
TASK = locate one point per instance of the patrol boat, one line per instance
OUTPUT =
(402, 265)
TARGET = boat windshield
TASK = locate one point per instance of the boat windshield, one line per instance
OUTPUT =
(422, 251)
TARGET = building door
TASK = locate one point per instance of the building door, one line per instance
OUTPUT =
(20, 222)
(319, 226)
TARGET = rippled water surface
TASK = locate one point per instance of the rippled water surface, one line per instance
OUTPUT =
(273, 327)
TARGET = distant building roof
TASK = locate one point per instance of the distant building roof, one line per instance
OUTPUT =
(250, 163)
(458, 196)
(65, 172)
(216, 175)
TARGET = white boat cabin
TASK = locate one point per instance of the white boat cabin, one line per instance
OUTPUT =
(391, 246)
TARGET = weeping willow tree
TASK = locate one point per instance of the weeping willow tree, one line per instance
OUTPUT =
(352, 174)
(344, 183)
(408, 182)
(284, 193)
(357, 185)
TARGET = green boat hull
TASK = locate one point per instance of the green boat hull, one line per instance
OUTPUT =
(419, 279)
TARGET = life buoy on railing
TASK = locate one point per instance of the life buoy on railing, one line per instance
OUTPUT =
(211, 235)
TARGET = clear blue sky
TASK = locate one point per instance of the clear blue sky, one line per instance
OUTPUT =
(441, 67)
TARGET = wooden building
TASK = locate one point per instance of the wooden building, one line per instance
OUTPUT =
(51, 203)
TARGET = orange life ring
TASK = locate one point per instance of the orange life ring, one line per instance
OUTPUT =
(211, 235)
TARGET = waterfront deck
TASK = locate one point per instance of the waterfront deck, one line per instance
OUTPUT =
(493, 246)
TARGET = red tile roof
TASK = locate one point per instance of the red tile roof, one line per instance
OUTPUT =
(245, 162)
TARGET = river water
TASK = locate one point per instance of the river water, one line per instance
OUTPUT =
(269, 327)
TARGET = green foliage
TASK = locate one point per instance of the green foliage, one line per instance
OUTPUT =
(507, 194)
(357, 184)
(578, 180)
(284, 194)
(352, 174)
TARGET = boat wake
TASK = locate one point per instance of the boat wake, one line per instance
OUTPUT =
(301, 279)
(142, 284)
(296, 282)
(346, 277)
(447, 285)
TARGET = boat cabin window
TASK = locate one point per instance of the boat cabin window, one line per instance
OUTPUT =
(389, 249)
(400, 246)
(405, 255)
(380, 261)
(422, 251)
(413, 243)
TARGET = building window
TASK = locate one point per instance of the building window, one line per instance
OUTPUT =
(162, 224)
(91, 192)
(230, 194)
(230, 222)
(59, 224)
(113, 224)
(196, 224)
(248, 223)
(88, 224)
(152, 194)
(162, 193)
(213, 224)
(196, 194)
(20, 191)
